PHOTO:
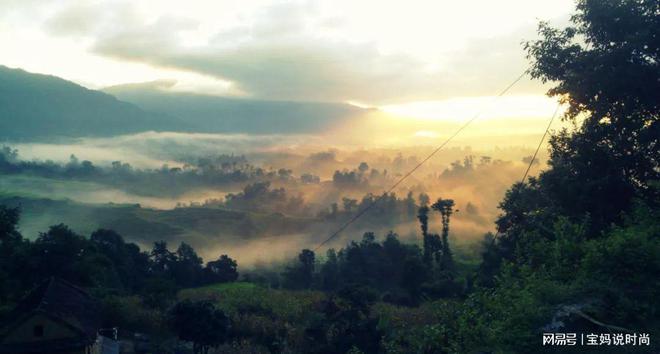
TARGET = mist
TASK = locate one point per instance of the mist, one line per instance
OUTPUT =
(257, 198)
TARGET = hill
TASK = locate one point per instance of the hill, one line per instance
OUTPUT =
(34, 106)
(214, 114)
(201, 227)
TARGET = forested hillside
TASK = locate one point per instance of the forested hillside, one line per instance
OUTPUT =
(42, 106)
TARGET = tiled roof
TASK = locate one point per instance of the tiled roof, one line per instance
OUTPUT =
(63, 301)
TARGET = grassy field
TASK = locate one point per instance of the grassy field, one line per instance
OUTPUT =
(283, 316)
(144, 225)
(240, 297)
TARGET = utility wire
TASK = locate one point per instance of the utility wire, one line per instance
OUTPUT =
(547, 129)
(373, 203)
(522, 181)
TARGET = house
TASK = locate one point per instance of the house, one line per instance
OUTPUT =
(56, 318)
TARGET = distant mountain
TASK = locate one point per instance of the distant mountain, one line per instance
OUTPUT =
(34, 106)
(206, 113)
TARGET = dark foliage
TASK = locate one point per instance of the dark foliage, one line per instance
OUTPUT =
(222, 170)
(104, 262)
(398, 272)
(200, 323)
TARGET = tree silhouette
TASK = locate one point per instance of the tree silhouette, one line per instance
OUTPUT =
(300, 275)
(423, 216)
(307, 259)
(200, 323)
(446, 208)
(8, 221)
(221, 270)
(161, 257)
(187, 269)
(604, 66)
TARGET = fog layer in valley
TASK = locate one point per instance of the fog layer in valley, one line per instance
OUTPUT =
(259, 198)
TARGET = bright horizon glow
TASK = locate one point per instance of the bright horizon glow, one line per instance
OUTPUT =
(461, 109)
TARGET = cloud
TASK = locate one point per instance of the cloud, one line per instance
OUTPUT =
(156, 85)
(77, 20)
(290, 51)
(275, 59)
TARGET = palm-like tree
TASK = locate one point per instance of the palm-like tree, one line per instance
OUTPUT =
(446, 208)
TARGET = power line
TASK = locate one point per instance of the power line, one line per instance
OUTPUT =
(522, 181)
(540, 143)
(371, 205)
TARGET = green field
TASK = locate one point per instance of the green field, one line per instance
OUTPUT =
(195, 225)
(241, 297)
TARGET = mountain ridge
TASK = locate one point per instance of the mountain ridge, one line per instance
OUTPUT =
(36, 107)
(228, 114)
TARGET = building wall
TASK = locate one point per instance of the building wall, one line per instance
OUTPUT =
(81, 351)
(24, 332)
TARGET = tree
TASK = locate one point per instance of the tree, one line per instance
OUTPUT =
(567, 236)
(13, 257)
(424, 199)
(414, 274)
(330, 271)
(200, 323)
(187, 269)
(159, 291)
(9, 218)
(59, 252)
(300, 274)
(364, 167)
(221, 270)
(605, 68)
(346, 325)
(491, 261)
(410, 206)
(334, 210)
(431, 242)
(349, 204)
(446, 208)
(131, 264)
(161, 257)
(423, 216)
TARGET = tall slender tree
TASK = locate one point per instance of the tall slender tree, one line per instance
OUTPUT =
(446, 208)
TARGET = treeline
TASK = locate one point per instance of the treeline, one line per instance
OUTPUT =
(260, 197)
(218, 171)
(103, 262)
(359, 178)
(398, 273)
(384, 210)
(466, 167)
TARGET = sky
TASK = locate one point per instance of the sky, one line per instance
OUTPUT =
(425, 59)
